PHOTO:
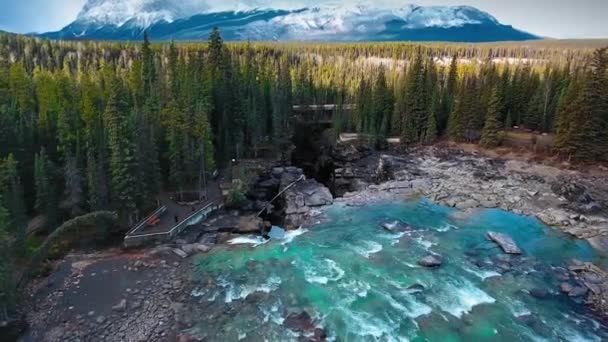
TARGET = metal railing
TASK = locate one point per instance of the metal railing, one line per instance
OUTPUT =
(133, 239)
(141, 224)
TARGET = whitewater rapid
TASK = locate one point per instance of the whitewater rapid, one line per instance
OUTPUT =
(360, 282)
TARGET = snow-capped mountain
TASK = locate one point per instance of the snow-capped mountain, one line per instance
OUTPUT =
(193, 20)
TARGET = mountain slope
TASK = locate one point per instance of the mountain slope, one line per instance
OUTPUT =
(127, 20)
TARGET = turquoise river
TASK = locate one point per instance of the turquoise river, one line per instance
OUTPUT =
(360, 282)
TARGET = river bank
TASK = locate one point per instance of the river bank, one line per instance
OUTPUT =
(149, 295)
(570, 201)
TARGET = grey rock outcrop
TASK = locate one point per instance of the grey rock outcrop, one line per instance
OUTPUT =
(505, 242)
(430, 261)
(302, 198)
(297, 202)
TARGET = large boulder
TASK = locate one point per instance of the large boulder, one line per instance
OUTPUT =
(585, 195)
(430, 261)
(565, 287)
(505, 242)
(319, 197)
(467, 204)
(347, 153)
(301, 198)
(538, 293)
(390, 226)
(387, 166)
(250, 224)
(300, 322)
(578, 291)
(305, 325)
(195, 248)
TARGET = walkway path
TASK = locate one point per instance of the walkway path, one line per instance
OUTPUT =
(170, 214)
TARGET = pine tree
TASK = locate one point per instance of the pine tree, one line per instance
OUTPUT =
(536, 109)
(565, 117)
(124, 181)
(364, 107)
(416, 103)
(448, 96)
(400, 105)
(382, 107)
(592, 140)
(175, 141)
(216, 48)
(148, 72)
(582, 126)
(282, 102)
(172, 69)
(48, 109)
(46, 193)
(490, 134)
(12, 191)
(7, 288)
(408, 132)
(431, 132)
(458, 117)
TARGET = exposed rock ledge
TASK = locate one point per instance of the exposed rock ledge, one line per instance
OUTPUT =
(574, 203)
(570, 201)
(505, 242)
(301, 197)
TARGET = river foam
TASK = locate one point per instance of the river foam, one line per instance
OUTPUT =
(368, 248)
(459, 297)
(360, 282)
(290, 235)
(482, 274)
(248, 240)
(237, 292)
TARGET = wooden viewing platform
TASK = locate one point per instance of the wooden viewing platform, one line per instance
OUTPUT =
(161, 225)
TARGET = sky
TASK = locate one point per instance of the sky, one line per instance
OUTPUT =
(549, 18)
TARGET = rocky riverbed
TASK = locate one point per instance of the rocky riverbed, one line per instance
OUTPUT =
(566, 200)
(147, 296)
(109, 296)
(570, 201)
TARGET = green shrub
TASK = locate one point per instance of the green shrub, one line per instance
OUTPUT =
(236, 195)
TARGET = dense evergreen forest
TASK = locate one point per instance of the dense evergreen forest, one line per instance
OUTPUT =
(92, 126)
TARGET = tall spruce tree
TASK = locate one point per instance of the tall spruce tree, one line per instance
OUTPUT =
(123, 171)
(458, 117)
(46, 191)
(7, 287)
(592, 140)
(282, 104)
(11, 191)
(148, 71)
(567, 109)
(490, 134)
(431, 132)
(383, 105)
(448, 95)
(416, 103)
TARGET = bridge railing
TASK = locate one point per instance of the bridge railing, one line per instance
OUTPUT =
(311, 108)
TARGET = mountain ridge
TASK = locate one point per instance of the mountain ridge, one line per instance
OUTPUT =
(98, 20)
